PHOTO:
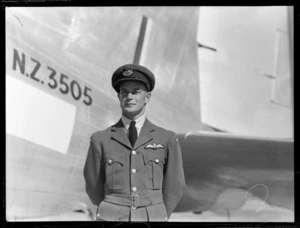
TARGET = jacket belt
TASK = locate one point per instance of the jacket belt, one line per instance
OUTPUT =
(135, 200)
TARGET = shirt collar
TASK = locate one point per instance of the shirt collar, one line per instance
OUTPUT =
(139, 122)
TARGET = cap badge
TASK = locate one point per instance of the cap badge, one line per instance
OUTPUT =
(128, 72)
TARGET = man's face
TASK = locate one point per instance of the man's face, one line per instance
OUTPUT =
(133, 98)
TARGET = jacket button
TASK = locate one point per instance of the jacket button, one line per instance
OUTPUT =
(133, 170)
(156, 160)
(109, 161)
(134, 189)
(133, 152)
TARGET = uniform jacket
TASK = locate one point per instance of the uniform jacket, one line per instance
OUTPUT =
(144, 182)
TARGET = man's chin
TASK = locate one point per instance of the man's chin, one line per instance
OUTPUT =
(131, 112)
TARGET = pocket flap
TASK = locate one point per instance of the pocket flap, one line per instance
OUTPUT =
(154, 158)
(115, 159)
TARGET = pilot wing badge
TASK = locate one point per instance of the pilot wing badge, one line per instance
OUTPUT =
(154, 146)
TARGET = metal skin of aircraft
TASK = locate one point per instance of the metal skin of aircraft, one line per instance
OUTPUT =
(59, 63)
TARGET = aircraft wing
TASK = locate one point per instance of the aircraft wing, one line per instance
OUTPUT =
(223, 170)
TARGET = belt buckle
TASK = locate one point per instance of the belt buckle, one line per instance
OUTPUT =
(134, 201)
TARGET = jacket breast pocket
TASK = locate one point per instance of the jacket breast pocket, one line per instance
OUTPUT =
(154, 167)
(115, 173)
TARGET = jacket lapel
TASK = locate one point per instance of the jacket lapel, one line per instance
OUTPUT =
(145, 134)
(118, 133)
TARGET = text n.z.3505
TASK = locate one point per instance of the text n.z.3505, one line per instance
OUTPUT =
(55, 81)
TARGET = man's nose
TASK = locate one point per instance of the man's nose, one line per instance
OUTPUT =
(129, 95)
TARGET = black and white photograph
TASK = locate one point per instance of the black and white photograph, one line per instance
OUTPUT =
(149, 114)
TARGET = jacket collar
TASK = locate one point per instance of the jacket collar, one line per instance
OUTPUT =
(118, 133)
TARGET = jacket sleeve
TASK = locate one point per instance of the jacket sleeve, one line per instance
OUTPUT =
(174, 180)
(93, 174)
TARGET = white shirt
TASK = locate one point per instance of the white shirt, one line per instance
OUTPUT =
(139, 122)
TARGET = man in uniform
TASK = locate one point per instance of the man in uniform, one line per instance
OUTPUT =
(133, 170)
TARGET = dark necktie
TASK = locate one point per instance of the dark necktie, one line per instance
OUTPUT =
(132, 133)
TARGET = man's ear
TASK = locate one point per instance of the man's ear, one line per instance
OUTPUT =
(148, 97)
